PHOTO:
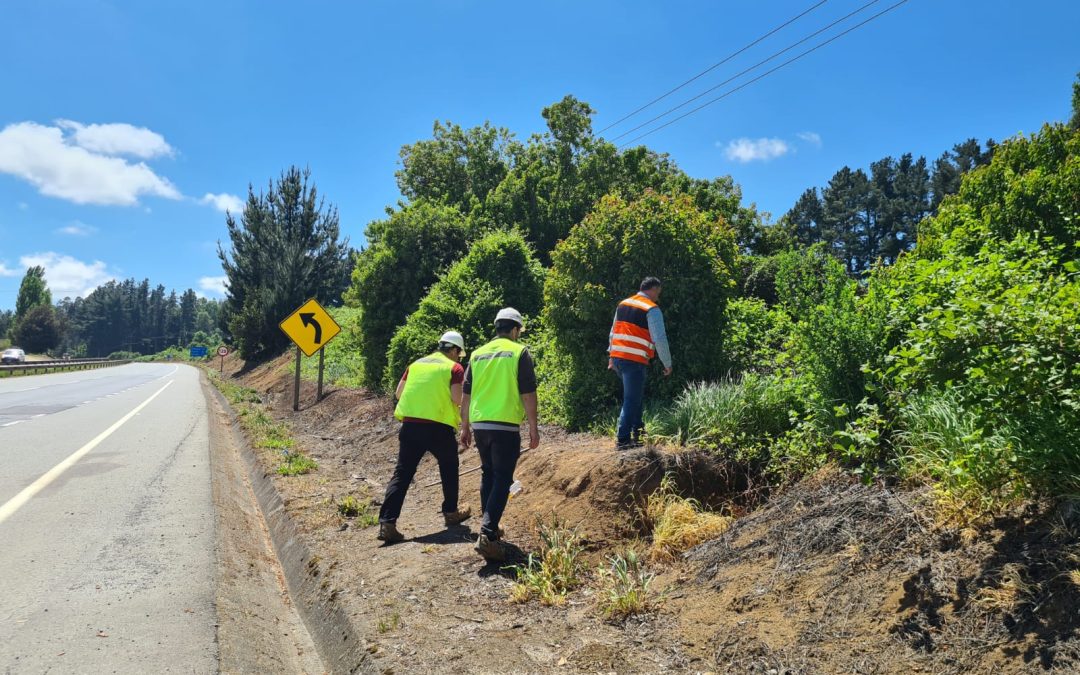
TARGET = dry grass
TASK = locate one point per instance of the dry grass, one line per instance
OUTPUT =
(678, 523)
(625, 587)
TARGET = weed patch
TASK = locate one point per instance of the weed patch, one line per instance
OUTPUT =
(296, 464)
(553, 571)
(625, 587)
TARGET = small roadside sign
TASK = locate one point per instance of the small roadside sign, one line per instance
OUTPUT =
(222, 351)
(198, 352)
(310, 327)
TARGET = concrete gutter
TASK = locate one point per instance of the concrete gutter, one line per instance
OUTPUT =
(334, 635)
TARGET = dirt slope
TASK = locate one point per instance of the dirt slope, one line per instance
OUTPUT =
(829, 576)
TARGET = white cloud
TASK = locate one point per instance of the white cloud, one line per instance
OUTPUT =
(811, 137)
(68, 277)
(6, 271)
(23, 206)
(58, 167)
(213, 285)
(223, 202)
(77, 229)
(117, 139)
(756, 149)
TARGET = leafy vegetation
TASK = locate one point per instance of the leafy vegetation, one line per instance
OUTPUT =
(554, 570)
(625, 587)
(498, 271)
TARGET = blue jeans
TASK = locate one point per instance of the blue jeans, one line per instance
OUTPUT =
(632, 375)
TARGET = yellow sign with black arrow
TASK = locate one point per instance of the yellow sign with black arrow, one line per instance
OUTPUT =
(311, 327)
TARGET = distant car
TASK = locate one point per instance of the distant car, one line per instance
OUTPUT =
(12, 356)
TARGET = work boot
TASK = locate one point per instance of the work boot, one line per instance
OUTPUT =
(388, 532)
(491, 550)
(457, 517)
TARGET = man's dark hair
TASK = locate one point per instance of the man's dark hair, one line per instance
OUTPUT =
(649, 283)
(445, 347)
(505, 326)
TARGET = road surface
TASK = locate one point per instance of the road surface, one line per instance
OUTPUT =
(107, 526)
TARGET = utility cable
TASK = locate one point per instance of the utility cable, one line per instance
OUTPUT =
(713, 66)
(765, 74)
(748, 70)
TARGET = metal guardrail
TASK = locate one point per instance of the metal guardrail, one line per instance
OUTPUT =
(69, 364)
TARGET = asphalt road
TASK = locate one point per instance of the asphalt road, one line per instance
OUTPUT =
(106, 523)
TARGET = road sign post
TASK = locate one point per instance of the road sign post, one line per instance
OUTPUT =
(222, 351)
(322, 352)
(310, 327)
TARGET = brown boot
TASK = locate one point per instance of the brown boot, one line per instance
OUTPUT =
(491, 550)
(388, 532)
(457, 517)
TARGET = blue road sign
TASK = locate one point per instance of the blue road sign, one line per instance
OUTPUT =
(198, 352)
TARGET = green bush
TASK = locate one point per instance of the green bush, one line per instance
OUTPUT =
(754, 335)
(499, 270)
(740, 418)
(343, 364)
(603, 261)
(121, 356)
(986, 309)
(405, 255)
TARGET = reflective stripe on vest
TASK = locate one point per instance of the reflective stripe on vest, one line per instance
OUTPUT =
(427, 391)
(630, 338)
(494, 396)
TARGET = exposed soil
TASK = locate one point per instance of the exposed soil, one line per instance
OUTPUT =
(828, 576)
(258, 629)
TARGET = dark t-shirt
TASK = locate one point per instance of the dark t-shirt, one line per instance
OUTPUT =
(457, 376)
(526, 376)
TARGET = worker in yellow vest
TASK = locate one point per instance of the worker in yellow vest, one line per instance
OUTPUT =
(499, 393)
(637, 336)
(429, 394)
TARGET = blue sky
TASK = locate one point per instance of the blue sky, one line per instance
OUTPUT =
(127, 126)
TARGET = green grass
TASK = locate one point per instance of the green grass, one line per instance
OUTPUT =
(625, 587)
(387, 624)
(296, 464)
(359, 511)
(552, 572)
(740, 417)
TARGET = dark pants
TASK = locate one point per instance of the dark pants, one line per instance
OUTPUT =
(414, 439)
(499, 452)
(632, 375)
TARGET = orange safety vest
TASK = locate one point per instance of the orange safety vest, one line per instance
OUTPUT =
(631, 339)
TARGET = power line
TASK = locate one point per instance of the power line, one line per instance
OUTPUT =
(765, 74)
(748, 70)
(714, 66)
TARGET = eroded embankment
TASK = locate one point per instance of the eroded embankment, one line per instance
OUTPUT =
(830, 575)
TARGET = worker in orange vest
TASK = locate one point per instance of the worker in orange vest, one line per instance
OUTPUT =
(637, 336)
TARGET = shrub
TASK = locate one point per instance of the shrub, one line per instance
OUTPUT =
(358, 510)
(406, 254)
(552, 572)
(754, 335)
(678, 523)
(603, 261)
(985, 309)
(499, 270)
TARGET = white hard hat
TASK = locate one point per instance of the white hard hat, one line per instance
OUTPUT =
(453, 337)
(510, 314)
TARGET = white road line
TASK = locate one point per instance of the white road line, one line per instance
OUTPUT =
(16, 502)
(10, 423)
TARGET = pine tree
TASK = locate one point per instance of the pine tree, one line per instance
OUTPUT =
(285, 249)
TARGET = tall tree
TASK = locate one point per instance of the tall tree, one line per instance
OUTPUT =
(7, 317)
(284, 250)
(39, 330)
(1074, 121)
(33, 291)
(187, 316)
(953, 164)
